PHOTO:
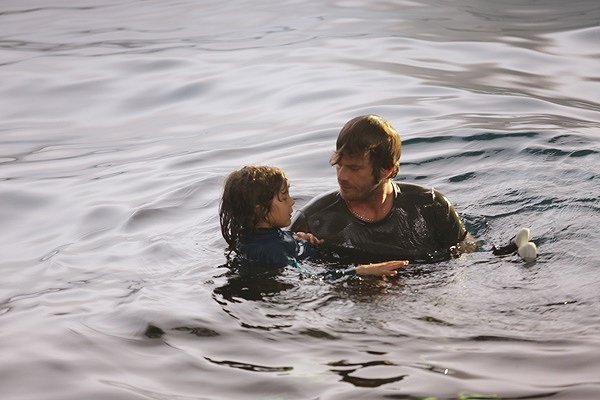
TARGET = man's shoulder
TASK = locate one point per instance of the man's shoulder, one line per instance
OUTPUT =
(424, 195)
(413, 190)
(319, 205)
(321, 201)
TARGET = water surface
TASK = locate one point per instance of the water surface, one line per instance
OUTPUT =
(120, 120)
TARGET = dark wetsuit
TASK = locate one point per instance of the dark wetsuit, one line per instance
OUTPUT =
(421, 226)
(273, 248)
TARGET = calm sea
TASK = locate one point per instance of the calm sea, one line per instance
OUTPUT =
(120, 119)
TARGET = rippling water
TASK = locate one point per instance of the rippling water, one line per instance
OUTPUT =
(120, 120)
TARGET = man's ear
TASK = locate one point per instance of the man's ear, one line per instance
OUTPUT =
(386, 173)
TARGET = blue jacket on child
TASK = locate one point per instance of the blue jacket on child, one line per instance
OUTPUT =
(273, 248)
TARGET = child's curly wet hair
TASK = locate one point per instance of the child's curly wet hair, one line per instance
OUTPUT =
(246, 200)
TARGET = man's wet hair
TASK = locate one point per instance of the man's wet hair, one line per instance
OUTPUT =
(372, 135)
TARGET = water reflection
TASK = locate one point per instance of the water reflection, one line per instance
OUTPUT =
(350, 372)
(249, 367)
(250, 285)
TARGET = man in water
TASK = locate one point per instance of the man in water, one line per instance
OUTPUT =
(373, 217)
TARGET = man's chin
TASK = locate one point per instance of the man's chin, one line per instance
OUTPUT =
(349, 196)
(355, 195)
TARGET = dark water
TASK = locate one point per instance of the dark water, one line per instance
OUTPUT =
(119, 121)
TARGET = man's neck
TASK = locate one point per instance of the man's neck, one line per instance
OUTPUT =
(376, 206)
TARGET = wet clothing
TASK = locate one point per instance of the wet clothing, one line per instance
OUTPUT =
(273, 248)
(421, 226)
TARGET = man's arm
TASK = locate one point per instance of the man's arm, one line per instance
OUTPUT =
(468, 245)
(299, 223)
(453, 230)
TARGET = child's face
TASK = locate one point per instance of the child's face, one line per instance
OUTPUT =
(281, 208)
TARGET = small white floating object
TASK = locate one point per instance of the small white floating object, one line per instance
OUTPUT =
(522, 237)
(526, 250)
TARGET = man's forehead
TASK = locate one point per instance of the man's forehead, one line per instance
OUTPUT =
(356, 159)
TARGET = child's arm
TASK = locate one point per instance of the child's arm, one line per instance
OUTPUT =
(387, 268)
(309, 237)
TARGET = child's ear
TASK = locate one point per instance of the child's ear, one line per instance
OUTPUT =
(264, 220)
(260, 210)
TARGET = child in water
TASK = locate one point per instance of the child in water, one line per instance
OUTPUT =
(255, 206)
